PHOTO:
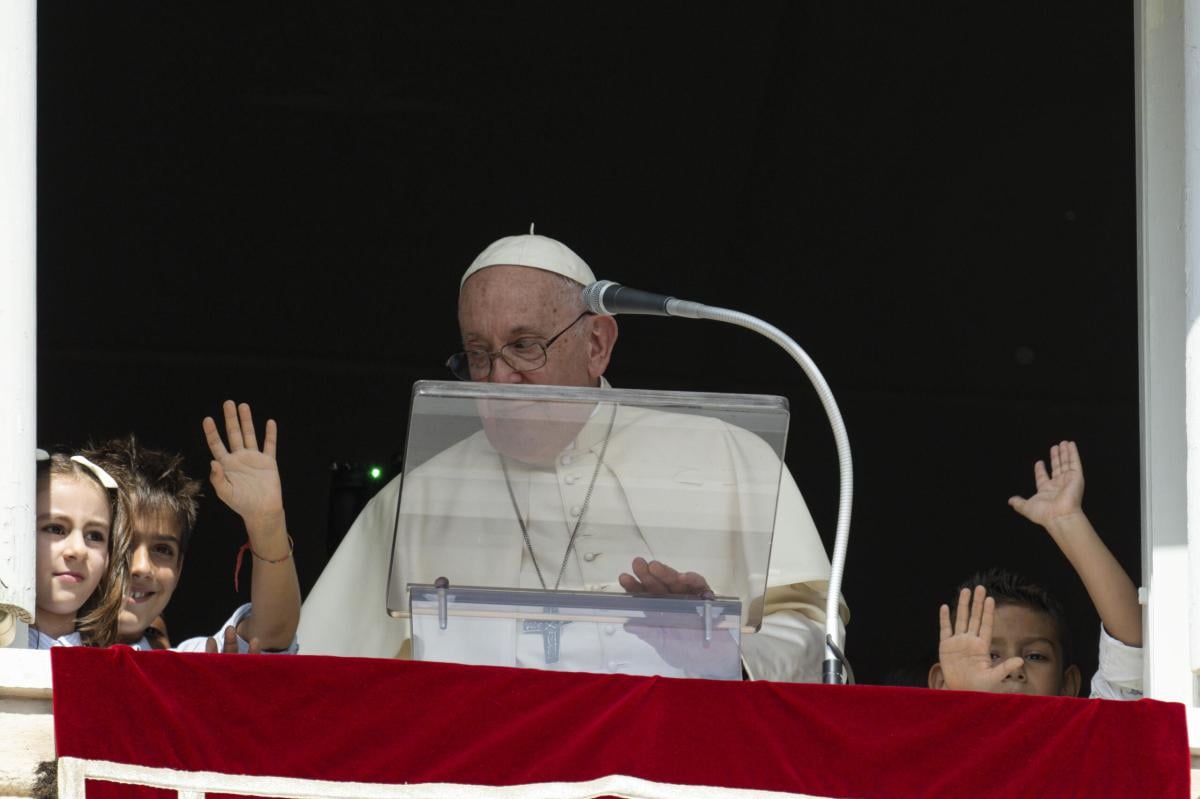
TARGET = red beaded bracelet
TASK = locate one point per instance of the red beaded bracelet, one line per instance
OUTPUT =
(237, 564)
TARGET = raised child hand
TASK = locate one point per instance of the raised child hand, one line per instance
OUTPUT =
(965, 650)
(245, 478)
(1060, 493)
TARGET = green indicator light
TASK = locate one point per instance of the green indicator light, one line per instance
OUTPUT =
(375, 472)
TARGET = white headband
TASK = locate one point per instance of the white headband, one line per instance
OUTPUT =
(104, 477)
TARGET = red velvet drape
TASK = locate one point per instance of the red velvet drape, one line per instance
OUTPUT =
(398, 721)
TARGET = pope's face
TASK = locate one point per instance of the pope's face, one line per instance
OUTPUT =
(503, 304)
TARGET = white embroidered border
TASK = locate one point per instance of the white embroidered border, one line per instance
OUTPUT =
(74, 772)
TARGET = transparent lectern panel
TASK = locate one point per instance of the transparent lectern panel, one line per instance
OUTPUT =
(577, 631)
(539, 487)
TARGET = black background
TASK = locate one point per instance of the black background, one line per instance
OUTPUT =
(275, 203)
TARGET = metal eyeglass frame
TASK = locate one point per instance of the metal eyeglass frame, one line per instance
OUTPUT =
(458, 365)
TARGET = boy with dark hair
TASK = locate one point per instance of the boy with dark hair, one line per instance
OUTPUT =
(1029, 650)
(1010, 636)
(164, 506)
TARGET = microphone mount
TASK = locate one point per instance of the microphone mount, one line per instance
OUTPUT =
(607, 297)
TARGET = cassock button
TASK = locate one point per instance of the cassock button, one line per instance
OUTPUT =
(566, 460)
(590, 556)
(610, 629)
(571, 479)
(576, 510)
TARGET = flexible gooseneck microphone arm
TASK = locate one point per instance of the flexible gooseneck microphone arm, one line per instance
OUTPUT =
(606, 297)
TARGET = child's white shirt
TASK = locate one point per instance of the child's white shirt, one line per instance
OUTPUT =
(198, 644)
(1120, 672)
(39, 640)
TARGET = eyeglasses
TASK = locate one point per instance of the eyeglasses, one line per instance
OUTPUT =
(522, 355)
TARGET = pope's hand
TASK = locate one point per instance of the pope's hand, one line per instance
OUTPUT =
(683, 647)
(656, 577)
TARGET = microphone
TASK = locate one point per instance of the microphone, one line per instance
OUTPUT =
(609, 298)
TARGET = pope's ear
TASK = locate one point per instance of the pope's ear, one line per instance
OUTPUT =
(937, 680)
(602, 336)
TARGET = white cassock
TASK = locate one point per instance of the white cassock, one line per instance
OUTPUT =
(681, 489)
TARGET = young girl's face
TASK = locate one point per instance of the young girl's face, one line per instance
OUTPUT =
(73, 521)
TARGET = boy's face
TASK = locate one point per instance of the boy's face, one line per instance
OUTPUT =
(1030, 634)
(155, 562)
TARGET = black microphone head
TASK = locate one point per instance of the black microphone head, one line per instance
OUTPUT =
(593, 296)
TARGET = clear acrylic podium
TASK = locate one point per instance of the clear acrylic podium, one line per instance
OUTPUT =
(521, 506)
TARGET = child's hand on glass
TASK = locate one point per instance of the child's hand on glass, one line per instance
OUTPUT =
(965, 649)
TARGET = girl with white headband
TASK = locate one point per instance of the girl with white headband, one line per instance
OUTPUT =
(81, 567)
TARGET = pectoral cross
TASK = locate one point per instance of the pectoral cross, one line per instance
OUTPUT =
(551, 632)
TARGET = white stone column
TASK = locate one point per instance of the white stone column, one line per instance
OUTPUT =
(18, 302)
(1191, 255)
